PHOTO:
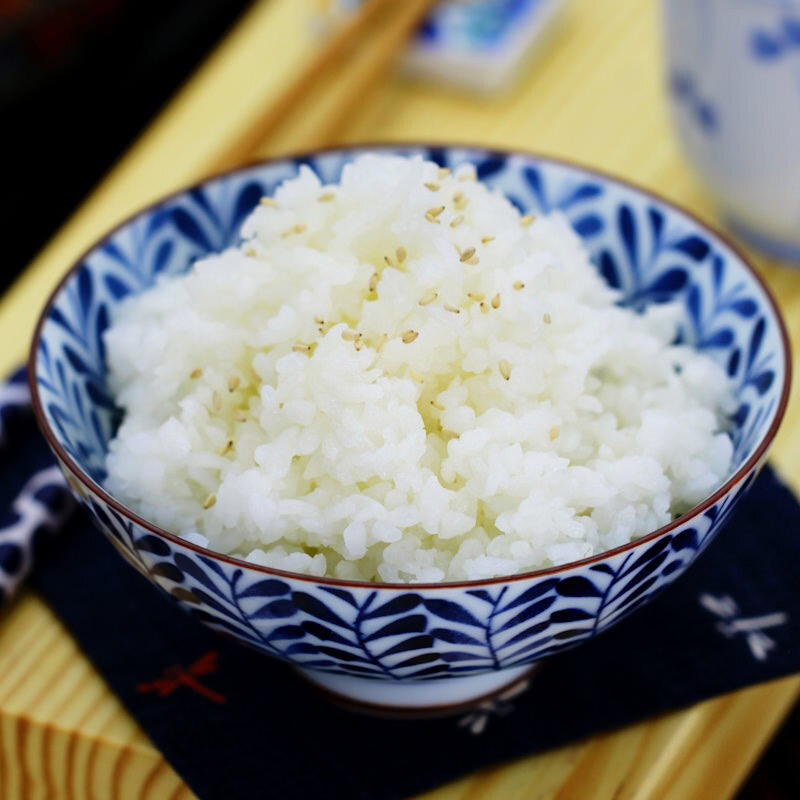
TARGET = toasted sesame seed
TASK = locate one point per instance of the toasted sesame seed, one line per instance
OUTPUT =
(301, 347)
(299, 228)
(250, 252)
(467, 254)
(196, 373)
(241, 415)
(327, 197)
(210, 500)
(547, 318)
(484, 308)
(518, 285)
(430, 217)
(409, 336)
(496, 301)
(216, 400)
(233, 383)
(442, 173)
(434, 187)
(554, 432)
(475, 295)
(416, 376)
(526, 220)
(349, 335)
(456, 221)
(460, 201)
(401, 254)
(268, 201)
(358, 343)
(435, 211)
(318, 319)
(228, 447)
(505, 368)
(473, 262)
(451, 309)
(487, 239)
(428, 298)
(437, 405)
(381, 342)
(373, 281)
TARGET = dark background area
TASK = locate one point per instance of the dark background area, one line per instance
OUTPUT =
(79, 80)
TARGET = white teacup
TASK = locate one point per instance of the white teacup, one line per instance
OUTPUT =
(733, 71)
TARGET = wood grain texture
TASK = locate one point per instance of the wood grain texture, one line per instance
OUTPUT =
(593, 95)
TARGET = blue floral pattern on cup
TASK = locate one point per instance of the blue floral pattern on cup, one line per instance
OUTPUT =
(648, 249)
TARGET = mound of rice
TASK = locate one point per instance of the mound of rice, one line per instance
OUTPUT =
(398, 378)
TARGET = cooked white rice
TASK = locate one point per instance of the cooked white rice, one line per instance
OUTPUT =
(353, 393)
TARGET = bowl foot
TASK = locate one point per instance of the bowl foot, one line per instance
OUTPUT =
(415, 698)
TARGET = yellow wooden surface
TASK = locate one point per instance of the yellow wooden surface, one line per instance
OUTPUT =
(593, 95)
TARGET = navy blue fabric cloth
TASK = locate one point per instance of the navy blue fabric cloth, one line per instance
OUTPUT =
(236, 724)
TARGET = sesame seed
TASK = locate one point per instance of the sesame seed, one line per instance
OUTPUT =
(409, 336)
(401, 255)
(241, 415)
(268, 201)
(358, 343)
(349, 335)
(526, 220)
(434, 187)
(437, 405)
(216, 400)
(250, 252)
(442, 173)
(228, 447)
(496, 301)
(210, 500)
(505, 368)
(460, 201)
(451, 309)
(299, 228)
(467, 254)
(388, 261)
(554, 432)
(416, 376)
(381, 342)
(475, 295)
(484, 308)
(233, 383)
(327, 197)
(319, 320)
(435, 211)
(301, 347)
(430, 217)
(468, 175)
(428, 298)
(487, 239)
(196, 373)
(547, 318)
(473, 262)
(518, 285)
(373, 281)
(457, 221)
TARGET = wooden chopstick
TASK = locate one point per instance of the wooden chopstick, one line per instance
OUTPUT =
(316, 103)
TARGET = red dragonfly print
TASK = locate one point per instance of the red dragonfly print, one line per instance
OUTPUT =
(177, 676)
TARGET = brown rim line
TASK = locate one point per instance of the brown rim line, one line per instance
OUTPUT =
(695, 511)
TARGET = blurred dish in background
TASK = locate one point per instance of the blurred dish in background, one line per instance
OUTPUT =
(472, 44)
(733, 71)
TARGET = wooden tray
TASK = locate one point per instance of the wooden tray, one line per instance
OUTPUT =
(594, 95)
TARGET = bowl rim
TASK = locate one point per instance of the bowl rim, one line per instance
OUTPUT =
(95, 488)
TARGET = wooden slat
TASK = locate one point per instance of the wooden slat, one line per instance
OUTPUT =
(594, 95)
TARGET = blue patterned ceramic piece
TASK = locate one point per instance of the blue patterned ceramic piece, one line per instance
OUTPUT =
(417, 645)
(733, 75)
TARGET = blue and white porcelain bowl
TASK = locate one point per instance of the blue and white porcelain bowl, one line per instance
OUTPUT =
(416, 645)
